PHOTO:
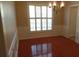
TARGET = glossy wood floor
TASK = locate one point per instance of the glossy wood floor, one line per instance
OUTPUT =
(60, 47)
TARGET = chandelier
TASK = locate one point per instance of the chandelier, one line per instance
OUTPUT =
(56, 5)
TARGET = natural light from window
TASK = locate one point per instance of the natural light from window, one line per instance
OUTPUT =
(40, 18)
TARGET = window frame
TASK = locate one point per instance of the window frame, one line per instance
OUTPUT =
(40, 18)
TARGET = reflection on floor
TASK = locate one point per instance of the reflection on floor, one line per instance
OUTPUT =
(72, 38)
(47, 47)
(41, 50)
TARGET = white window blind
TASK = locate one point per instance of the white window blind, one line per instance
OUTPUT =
(40, 18)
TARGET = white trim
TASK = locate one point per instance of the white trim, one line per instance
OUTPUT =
(28, 35)
(12, 46)
(68, 17)
(76, 35)
(4, 31)
(74, 5)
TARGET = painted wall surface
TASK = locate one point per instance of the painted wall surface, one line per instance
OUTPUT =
(2, 47)
(70, 21)
(77, 26)
(76, 19)
(9, 24)
(23, 22)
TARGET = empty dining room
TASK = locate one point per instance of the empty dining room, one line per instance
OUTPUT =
(39, 28)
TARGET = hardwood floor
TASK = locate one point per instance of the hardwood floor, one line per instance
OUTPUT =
(60, 47)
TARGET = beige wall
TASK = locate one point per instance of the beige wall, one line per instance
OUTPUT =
(70, 21)
(74, 6)
(22, 23)
(2, 47)
(9, 25)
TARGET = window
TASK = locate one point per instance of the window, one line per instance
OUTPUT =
(40, 18)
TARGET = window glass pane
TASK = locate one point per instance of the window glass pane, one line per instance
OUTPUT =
(37, 25)
(49, 24)
(32, 24)
(43, 24)
(49, 12)
(38, 11)
(43, 11)
(32, 11)
(38, 21)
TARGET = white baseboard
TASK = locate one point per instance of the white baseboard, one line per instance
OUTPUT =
(77, 37)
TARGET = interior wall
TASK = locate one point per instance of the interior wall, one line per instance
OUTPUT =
(67, 29)
(72, 21)
(77, 27)
(22, 22)
(9, 24)
(2, 47)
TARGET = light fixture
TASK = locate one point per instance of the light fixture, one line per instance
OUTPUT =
(54, 4)
(50, 5)
(62, 5)
(57, 5)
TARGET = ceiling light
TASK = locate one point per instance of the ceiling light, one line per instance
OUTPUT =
(62, 5)
(54, 4)
(50, 5)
